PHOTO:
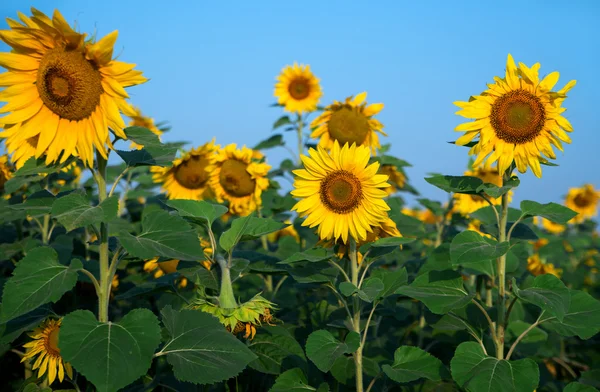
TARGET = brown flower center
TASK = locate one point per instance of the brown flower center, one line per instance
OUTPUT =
(235, 179)
(518, 117)
(68, 84)
(341, 192)
(348, 126)
(582, 200)
(299, 88)
(2, 180)
(192, 173)
(168, 267)
(52, 342)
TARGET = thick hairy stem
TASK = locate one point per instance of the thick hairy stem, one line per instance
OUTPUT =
(501, 264)
(226, 296)
(105, 284)
(356, 319)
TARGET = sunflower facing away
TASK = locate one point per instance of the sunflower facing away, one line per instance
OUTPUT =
(466, 204)
(187, 178)
(298, 89)
(139, 120)
(584, 201)
(237, 178)
(517, 119)
(350, 122)
(44, 348)
(63, 93)
(341, 193)
(397, 179)
(5, 172)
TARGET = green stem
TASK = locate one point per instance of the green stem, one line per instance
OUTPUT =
(226, 296)
(45, 230)
(356, 319)
(501, 264)
(105, 284)
(489, 299)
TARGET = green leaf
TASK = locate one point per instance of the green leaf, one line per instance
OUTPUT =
(473, 370)
(440, 291)
(110, 355)
(200, 349)
(579, 387)
(309, 272)
(495, 191)
(456, 184)
(281, 121)
(311, 255)
(412, 363)
(486, 214)
(38, 279)
(248, 228)
(322, 348)
(516, 328)
(347, 288)
(273, 141)
(391, 241)
(74, 210)
(34, 167)
(37, 204)
(472, 250)
(12, 329)
(163, 235)
(154, 152)
(581, 319)
(548, 293)
(198, 209)
(551, 211)
(392, 280)
(273, 346)
(370, 289)
(292, 380)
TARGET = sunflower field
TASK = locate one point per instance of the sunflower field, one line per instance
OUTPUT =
(182, 267)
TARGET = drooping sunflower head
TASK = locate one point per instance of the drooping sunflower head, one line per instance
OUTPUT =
(139, 120)
(298, 89)
(44, 349)
(396, 178)
(61, 89)
(5, 172)
(537, 266)
(188, 177)
(349, 122)
(549, 226)
(341, 193)
(518, 119)
(584, 201)
(238, 179)
(466, 204)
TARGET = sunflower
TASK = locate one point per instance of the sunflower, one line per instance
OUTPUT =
(584, 201)
(139, 120)
(288, 231)
(475, 225)
(45, 349)
(298, 89)
(341, 193)
(517, 119)
(396, 178)
(549, 226)
(537, 266)
(163, 268)
(425, 215)
(349, 122)
(235, 177)
(188, 177)
(467, 204)
(63, 93)
(5, 172)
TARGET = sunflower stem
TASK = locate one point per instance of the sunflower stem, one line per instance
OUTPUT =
(356, 319)
(226, 296)
(501, 264)
(105, 283)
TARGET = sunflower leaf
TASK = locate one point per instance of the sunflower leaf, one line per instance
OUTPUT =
(198, 209)
(456, 184)
(412, 363)
(281, 121)
(292, 380)
(74, 210)
(581, 319)
(551, 211)
(153, 153)
(273, 141)
(548, 293)
(474, 251)
(323, 349)
(37, 204)
(248, 228)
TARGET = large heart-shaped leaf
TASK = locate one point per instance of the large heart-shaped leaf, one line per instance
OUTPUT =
(323, 349)
(273, 346)
(248, 228)
(75, 210)
(551, 211)
(547, 292)
(472, 250)
(198, 209)
(412, 363)
(581, 319)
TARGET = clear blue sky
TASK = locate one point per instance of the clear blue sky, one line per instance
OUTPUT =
(213, 64)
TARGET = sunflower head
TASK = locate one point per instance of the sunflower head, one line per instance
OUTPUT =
(340, 192)
(162, 268)
(238, 179)
(288, 231)
(188, 177)
(298, 89)
(424, 215)
(538, 266)
(44, 349)
(5, 172)
(466, 204)
(517, 120)
(396, 178)
(349, 122)
(584, 201)
(63, 92)
(139, 120)
(549, 226)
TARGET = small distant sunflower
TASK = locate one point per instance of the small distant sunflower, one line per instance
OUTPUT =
(396, 178)
(549, 226)
(425, 215)
(164, 268)
(475, 225)
(288, 231)
(139, 120)
(44, 348)
(537, 266)
(517, 119)
(298, 89)
(62, 89)
(238, 179)
(188, 177)
(349, 122)
(341, 193)
(539, 243)
(467, 204)
(5, 172)
(584, 201)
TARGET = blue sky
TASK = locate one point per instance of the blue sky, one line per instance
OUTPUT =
(213, 65)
